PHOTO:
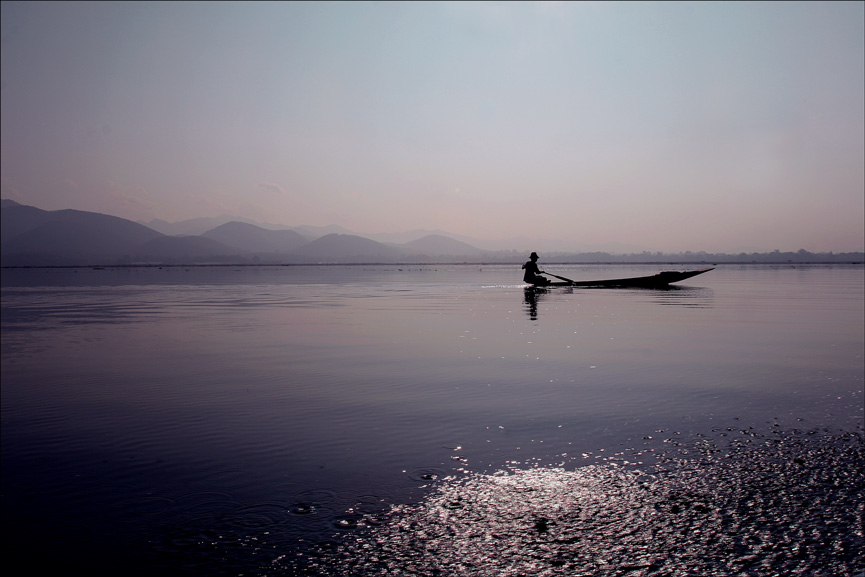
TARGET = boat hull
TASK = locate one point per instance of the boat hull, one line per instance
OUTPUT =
(660, 280)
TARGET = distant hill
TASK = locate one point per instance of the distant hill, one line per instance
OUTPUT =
(63, 237)
(313, 232)
(185, 250)
(407, 236)
(437, 244)
(253, 238)
(198, 226)
(17, 219)
(347, 248)
(36, 237)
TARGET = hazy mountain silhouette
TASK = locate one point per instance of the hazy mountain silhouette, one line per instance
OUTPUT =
(19, 219)
(60, 237)
(35, 237)
(404, 237)
(185, 250)
(437, 244)
(347, 248)
(253, 238)
(198, 226)
(4, 202)
(313, 232)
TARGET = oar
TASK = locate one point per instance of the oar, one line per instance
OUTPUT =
(558, 277)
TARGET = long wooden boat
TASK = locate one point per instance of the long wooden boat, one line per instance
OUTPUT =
(660, 280)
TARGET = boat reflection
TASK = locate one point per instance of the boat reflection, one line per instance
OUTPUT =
(532, 295)
(679, 296)
(682, 296)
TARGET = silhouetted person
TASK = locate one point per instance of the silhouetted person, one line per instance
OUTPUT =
(532, 274)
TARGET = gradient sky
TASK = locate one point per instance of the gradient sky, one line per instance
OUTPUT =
(666, 126)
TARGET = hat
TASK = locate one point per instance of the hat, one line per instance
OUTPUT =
(534, 256)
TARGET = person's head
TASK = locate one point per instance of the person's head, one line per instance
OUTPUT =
(534, 256)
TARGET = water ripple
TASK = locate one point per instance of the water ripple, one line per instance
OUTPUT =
(766, 504)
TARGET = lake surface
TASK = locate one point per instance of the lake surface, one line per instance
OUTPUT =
(316, 420)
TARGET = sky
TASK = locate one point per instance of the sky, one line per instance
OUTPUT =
(701, 126)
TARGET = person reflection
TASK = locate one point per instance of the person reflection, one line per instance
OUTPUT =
(531, 296)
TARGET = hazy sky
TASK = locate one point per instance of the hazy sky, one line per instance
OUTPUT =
(668, 126)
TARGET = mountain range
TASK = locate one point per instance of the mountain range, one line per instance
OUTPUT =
(31, 236)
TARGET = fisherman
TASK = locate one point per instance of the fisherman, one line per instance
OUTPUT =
(532, 274)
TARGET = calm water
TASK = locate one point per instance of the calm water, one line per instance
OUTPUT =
(253, 420)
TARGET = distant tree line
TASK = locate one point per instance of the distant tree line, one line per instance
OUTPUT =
(776, 256)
